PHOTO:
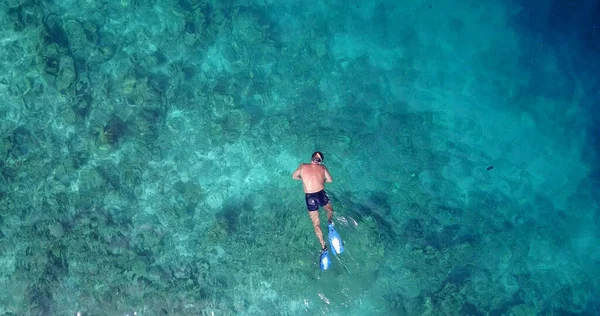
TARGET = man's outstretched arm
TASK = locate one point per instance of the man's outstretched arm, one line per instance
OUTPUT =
(296, 175)
(327, 176)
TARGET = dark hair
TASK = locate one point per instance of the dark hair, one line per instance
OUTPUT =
(317, 156)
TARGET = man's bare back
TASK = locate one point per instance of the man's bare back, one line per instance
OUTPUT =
(313, 177)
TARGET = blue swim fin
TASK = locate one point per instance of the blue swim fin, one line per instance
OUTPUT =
(325, 261)
(335, 240)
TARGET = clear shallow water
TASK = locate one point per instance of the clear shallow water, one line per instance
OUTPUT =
(147, 150)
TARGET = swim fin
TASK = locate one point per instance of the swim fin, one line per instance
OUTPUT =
(334, 240)
(325, 261)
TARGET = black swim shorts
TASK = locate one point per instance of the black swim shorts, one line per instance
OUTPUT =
(314, 200)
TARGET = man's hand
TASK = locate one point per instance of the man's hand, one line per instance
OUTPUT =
(296, 175)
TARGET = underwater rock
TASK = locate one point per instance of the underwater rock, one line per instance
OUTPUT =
(145, 124)
(229, 215)
(468, 309)
(222, 86)
(160, 82)
(319, 47)
(254, 106)
(190, 27)
(195, 23)
(217, 231)
(449, 236)
(85, 42)
(132, 177)
(20, 141)
(524, 310)
(221, 105)
(237, 123)
(189, 191)
(246, 28)
(114, 130)
(190, 5)
(52, 67)
(24, 14)
(109, 175)
(217, 18)
(58, 69)
(7, 173)
(82, 104)
(75, 32)
(66, 75)
(21, 88)
(137, 92)
(5, 147)
(409, 285)
(48, 61)
(129, 85)
(40, 299)
(90, 181)
(55, 32)
(460, 275)
(414, 228)
(279, 127)
(56, 230)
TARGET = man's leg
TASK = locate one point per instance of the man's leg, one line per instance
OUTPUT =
(314, 216)
(329, 212)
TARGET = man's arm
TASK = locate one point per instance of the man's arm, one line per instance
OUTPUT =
(296, 175)
(327, 175)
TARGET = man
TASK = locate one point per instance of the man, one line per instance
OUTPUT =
(313, 176)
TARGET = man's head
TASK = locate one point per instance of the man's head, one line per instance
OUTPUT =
(317, 157)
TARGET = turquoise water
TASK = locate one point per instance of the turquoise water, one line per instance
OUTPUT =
(147, 150)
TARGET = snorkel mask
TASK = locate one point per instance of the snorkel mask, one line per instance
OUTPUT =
(317, 157)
